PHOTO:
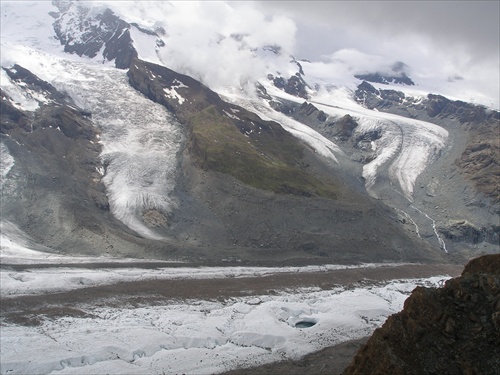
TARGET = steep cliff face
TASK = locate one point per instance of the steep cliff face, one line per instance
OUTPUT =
(451, 330)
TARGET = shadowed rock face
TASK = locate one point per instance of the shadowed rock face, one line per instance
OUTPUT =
(386, 79)
(450, 330)
(295, 85)
(397, 74)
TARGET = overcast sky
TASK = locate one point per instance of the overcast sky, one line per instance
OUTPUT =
(471, 26)
(448, 39)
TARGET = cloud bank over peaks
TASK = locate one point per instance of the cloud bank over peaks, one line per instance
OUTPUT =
(224, 43)
(219, 43)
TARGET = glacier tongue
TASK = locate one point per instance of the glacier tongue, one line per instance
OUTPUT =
(405, 148)
(7, 162)
(140, 142)
(402, 152)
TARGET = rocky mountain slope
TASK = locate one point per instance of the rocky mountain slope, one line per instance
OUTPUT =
(107, 150)
(450, 330)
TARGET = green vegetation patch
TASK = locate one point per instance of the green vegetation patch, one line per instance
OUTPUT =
(268, 161)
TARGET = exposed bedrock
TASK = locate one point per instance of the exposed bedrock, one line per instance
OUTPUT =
(450, 330)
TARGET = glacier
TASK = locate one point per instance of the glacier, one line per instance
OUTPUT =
(200, 336)
(140, 139)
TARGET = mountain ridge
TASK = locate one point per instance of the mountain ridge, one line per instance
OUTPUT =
(267, 161)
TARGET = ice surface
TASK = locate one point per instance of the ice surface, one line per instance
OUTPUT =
(406, 146)
(140, 143)
(200, 336)
(6, 163)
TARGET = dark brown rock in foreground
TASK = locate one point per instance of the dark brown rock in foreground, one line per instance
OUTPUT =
(450, 330)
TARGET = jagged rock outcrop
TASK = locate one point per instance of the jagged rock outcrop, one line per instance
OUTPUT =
(385, 78)
(344, 127)
(309, 114)
(398, 75)
(450, 330)
(463, 230)
(309, 110)
(371, 97)
(86, 30)
(480, 161)
(295, 85)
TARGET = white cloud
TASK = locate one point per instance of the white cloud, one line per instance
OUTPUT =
(218, 43)
(437, 40)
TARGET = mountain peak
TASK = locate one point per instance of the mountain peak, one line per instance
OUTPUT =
(87, 30)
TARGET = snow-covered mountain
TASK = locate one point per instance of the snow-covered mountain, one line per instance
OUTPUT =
(238, 146)
(145, 146)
